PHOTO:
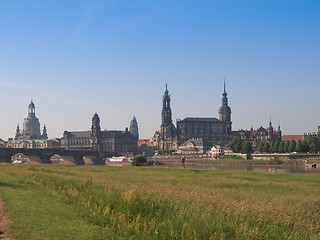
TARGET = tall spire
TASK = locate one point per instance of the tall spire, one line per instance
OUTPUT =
(166, 109)
(18, 133)
(166, 91)
(224, 94)
(44, 132)
(270, 123)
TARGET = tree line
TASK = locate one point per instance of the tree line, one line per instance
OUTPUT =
(237, 145)
(309, 144)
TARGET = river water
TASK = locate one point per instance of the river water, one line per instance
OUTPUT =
(246, 168)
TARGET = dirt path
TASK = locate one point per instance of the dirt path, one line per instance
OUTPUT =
(3, 222)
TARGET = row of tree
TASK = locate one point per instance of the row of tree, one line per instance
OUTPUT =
(237, 145)
(309, 144)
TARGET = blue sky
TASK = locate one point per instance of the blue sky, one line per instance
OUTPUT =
(75, 58)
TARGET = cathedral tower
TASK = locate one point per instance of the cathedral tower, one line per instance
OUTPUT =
(134, 127)
(166, 109)
(225, 110)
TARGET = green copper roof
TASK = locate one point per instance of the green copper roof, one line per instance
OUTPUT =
(166, 92)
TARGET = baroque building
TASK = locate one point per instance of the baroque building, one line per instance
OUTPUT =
(112, 142)
(31, 126)
(30, 136)
(134, 127)
(207, 131)
(255, 137)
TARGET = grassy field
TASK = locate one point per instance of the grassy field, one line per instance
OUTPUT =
(96, 202)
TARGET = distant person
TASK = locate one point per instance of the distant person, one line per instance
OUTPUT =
(183, 161)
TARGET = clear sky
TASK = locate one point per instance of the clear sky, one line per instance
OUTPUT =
(114, 57)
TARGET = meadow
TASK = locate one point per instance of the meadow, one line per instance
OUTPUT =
(98, 202)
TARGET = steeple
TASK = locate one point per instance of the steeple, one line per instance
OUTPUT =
(166, 109)
(224, 87)
(166, 92)
(270, 130)
(18, 133)
(225, 110)
(167, 127)
(270, 123)
(44, 132)
(134, 127)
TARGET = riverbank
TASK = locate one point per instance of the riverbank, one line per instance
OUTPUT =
(99, 202)
(230, 160)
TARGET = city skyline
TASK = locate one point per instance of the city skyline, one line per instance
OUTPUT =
(76, 58)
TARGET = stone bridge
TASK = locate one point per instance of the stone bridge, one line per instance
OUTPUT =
(75, 157)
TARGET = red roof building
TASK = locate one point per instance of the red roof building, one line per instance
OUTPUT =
(296, 138)
(143, 141)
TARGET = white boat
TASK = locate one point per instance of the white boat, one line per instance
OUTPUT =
(118, 161)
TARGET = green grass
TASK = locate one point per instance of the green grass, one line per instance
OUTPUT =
(97, 202)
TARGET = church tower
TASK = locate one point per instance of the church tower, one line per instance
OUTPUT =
(95, 132)
(44, 132)
(134, 127)
(270, 131)
(18, 133)
(225, 110)
(167, 128)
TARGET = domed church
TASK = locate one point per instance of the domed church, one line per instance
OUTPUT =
(31, 126)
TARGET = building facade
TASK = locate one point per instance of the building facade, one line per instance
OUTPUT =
(113, 142)
(209, 131)
(255, 137)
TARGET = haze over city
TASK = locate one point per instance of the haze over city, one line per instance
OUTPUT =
(75, 58)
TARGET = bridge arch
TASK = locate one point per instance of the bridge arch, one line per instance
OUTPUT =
(20, 158)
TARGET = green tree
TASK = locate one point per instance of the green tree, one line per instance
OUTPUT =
(292, 146)
(246, 147)
(270, 147)
(281, 147)
(286, 146)
(313, 143)
(260, 147)
(139, 160)
(275, 147)
(236, 144)
(299, 146)
(266, 147)
(305, 146)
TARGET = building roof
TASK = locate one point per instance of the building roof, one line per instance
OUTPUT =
(292, 137)
(198, 119)
(116, 133)
(80, 134)
(143, 141)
